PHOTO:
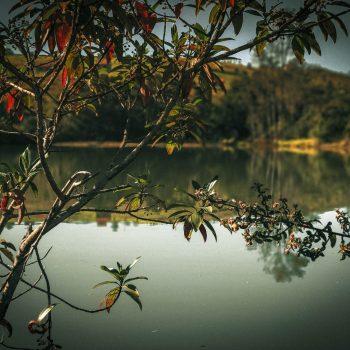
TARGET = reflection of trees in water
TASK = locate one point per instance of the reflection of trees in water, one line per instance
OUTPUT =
(317, 183)
(281, 266)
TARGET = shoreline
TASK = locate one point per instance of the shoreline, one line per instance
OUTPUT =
(309, 146)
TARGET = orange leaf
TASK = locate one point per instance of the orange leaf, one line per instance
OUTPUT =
(10, 102)
(232, 3)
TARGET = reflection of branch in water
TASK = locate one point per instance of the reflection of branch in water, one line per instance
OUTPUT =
(27, 290)
(44, 330)
(120, 284)
(48, 289)
(54, 295)
(281, 266)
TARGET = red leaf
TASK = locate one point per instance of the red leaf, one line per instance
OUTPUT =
(4, 202)
(20, 118)
(35, 328)
(178, 9)
(232, 3)
(64, 76)
(63, 33)
(10, 102)
(111, 50)
(203, 231)
(145, 93)
(47, 24)
(141, 9)
(187, 230)
(51, 41)
(147, 19)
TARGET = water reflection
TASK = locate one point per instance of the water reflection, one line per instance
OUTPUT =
(317, 183)
(282, 267)
(180, 295)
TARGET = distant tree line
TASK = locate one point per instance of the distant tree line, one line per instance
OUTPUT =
(276, 99)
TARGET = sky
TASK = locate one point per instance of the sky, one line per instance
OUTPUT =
(334, 57)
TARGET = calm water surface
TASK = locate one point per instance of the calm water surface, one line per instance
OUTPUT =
(199, 296)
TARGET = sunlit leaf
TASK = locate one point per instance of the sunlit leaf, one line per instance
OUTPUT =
(45, 312)
(112, 271)
(111, 298)
(134, 262)
(135, 298)
(130, 288)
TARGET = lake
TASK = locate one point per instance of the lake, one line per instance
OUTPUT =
(199, 295)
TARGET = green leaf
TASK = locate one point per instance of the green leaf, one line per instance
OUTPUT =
(214, 14)
(130, 288)
(103, 284)
(200, 31)
(332, 31)
(196, 220)
(112, 271)
(212, 183)
(253, 12)
(196, 185)
(134, 263)
(120, 201)
(135, 298)
(211, 228)
(174, 33)
(333, 240)
(298, 48)
(311, 39)
(342, 25)
(256, 5)
(136, 278)
(134, 204)
(237, 21)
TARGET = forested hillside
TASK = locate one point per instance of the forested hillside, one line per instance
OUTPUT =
(286, 102)
(270, 101)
